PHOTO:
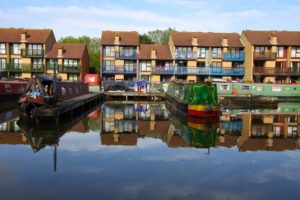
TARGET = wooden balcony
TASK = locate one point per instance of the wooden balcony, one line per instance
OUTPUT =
(265, 55)
(264, 71)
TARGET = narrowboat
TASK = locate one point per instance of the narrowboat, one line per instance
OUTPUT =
(10, 92)
(194, 99)
(42, 90)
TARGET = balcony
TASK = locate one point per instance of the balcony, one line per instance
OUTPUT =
(26, 68)
(69, 69)
(126, 55)
(183, 70)
(32, 53)
(119, 69)
(219, 71)
(13, 67)
(237, 57)
(264, 55)
(264, 71)
(180, 55)
(37, 68)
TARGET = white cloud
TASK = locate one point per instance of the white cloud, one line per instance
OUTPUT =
(188, 15)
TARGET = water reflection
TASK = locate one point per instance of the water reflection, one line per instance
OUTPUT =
(124, 124)
(248, 130)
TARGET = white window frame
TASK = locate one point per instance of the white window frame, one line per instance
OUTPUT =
(2, 48)
(216, 52)
(16, 49)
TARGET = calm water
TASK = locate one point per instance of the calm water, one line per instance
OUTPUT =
(141, 151)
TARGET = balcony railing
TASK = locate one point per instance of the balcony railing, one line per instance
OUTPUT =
(238, 57)
(276, 72)
(183, 70)
(3, 67)
(32, 52)
(264, 55)
(119, 69)
(219, 71)
(180, 55)
(126, 55)
(12, 67)
(69, 69)
(27, 68)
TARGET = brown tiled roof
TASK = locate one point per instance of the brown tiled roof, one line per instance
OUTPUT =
(126, 38)
(286, 38)
(69, 50)
(206, 39)
(162, 52)
(13, 35)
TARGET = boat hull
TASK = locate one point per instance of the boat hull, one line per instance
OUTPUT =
(193, 111)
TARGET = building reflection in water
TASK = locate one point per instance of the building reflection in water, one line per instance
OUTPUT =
(123, 124)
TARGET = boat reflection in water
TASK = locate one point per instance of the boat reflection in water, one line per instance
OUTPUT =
(123, 124)
(25, 131)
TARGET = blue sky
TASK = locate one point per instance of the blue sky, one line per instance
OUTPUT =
(90, 17)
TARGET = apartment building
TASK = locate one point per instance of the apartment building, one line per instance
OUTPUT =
(71, 61)
(155, 63)
(199, 55)
(23, 51)
(272, 56)
(118, 55)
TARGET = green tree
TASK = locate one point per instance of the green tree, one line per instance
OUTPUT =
(145, 39)
(93, 49)
(160, 36)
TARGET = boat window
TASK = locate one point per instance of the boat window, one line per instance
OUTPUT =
(70, 91)
(63, 91)
(76, 90)
(7, 87)
(245, 87)
(224, 87)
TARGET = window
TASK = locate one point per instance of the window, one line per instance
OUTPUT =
(53, 62)
(35, 49)
(109, 65)
(245, 87)
(127, 51)
(17, 62)
(183, 52)
(261, 49)
(295, 52)
(216, 52)
(129, 66)
(202, 52)
(280, 52)
(292, 131)
(145, 66)
(224, 87)
(73, 77)
(109, 126)
(16, 49)
(2, 48)
(145, 78)
(71, 63)
(37, 63)
(109, 51)
(216, 64)
(2, 64)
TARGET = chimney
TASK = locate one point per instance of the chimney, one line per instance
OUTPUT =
(117, 40)
(153, 54)
(60, 51)
(225, 41)
(24, 36)
(194, 41)
(273, 39)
